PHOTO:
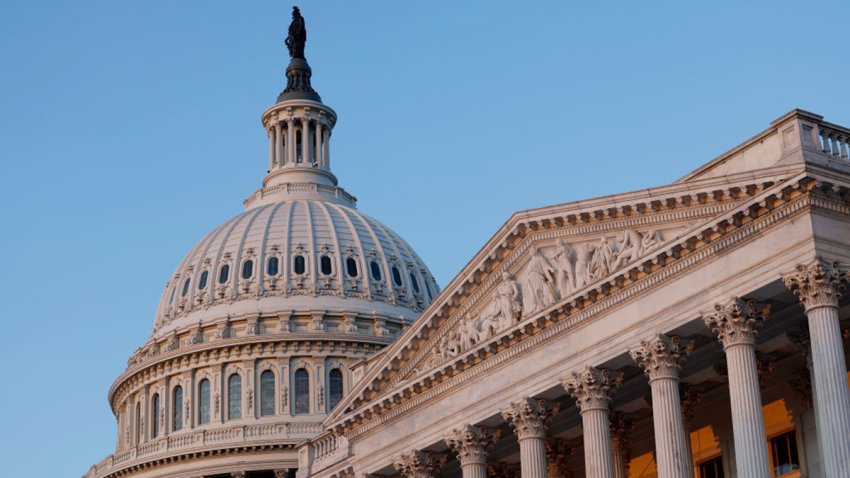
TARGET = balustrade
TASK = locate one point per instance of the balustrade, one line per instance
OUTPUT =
(835, 142)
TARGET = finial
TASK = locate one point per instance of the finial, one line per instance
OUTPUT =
(297, 35)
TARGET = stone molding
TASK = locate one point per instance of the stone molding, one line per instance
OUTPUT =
(527, 417)
(592, 387)
(817, 284)
(470, 443)
(419, 464)
(737, 322)
(727, 231)
(661, 356)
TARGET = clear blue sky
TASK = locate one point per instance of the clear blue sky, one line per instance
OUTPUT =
(128, 130)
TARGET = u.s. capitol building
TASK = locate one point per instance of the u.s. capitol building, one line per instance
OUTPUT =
(689, 330)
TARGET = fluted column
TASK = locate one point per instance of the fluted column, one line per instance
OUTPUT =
(592, 389)
(527, 418)
(470, 444)
(327, 152)
(317, 153)
(660, 358)
(305, 140)
(819, 287)
(736, 325)
(290, 141)
(621, 427)
(419, 464)
(273, 133)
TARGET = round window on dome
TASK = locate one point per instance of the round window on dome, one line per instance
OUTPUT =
(325, 265)
(273, 266)
(414, 282)
(351, 267)
(202, 283)
(224, 273)
(247, 269)
(396, 276)
(376, 270)
(298, 264)
(185, 287)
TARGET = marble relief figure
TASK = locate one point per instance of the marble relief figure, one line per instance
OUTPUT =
(538, 292)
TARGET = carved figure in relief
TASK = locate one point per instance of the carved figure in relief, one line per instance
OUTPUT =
(602, 258)
(508, 300)
(584, 269)
(565, 260)
(466, 334)
(538, 292)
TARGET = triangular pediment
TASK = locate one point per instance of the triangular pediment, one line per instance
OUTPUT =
(542, 259)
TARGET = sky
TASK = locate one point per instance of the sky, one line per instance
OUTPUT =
(128, 130)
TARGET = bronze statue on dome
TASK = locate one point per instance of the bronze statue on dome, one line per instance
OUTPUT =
(297, 35)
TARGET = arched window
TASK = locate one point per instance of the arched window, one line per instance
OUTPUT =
(177, 413)
(396, 276)
(325, 265)
(273, 266)
(155, 417)
(202, 283)
(247, 269)
(185, 287)
(376, 270)
(204, 402)
(267, 393)
(351, 267)
(302, 391)
(414, 282)
(298, 265)
(138, 423)
(334, 387)
(223, 273)
(234, 397)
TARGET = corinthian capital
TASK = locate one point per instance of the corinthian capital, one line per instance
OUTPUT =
(817, 284)
(471, 443)
(592, 387)
(419, 464)
(737, 322)
(527, 417)
(661, 356)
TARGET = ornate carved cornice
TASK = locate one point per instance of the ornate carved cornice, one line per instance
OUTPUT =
(737, 322)
(661, 356)
(419, 464)
(471, 443)
(592, 387)
(528, 418)
(818, 284)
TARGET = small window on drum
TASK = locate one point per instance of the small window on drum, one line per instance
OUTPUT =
(414, 283)
(351, 267)
(298, 264)
(223, 273)
(273, 266)
(396, 276)
(247, 269)
(202, 283)
(325, 265)
(185, 287)
(173, 291)
(376, 270)
(428, 288)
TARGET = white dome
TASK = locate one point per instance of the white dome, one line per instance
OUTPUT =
(329, 258)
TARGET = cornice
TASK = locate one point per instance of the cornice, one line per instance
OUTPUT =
(700, 245)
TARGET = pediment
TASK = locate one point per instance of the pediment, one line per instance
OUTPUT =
(556, 257)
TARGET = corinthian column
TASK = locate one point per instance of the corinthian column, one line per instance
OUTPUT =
(736, 325)
(592, 388)
(527, 418)
(819, 287)
(418, 464)
(471, 444)
(660, 358)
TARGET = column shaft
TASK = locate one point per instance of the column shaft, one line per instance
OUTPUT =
(671, 441)
(280, 154)
(305, 140)
(317, 153)
(620, 464)
(532, 451)
(290, 141)
(830, 392)
(273, 132)
(474, 470)
(747, 419)
(598, 454)
(327, 153)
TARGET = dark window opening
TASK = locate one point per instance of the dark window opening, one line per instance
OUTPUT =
(273, 266)
(376, 270)
(334, 388)
(177, 415)
(204, 402)
(711, 469)
(783, 454)
(299, 266)
(267, 393)
(234, 397)
(325, 265)
(414, 282)
(396, 276)
(202, 283)
(302, 392)
(224, 273)
(185, 288)
(351, 267)
(247, 269)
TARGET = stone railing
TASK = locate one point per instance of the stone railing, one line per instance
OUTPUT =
(324, 451)
(200, 440)
(834, 141)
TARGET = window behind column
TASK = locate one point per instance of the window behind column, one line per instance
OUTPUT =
(783, 454)
(712, 468)
(302, 392)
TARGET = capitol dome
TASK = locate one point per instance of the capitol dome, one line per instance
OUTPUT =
(264, 325)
